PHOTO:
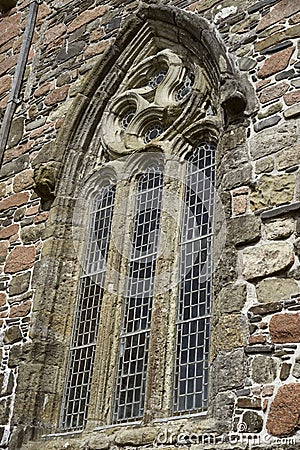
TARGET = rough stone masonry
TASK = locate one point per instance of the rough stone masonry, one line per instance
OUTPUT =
(255, 335)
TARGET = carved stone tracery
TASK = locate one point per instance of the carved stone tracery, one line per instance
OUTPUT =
(155, 99)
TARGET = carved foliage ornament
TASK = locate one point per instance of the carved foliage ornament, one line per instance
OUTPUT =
(153, 103)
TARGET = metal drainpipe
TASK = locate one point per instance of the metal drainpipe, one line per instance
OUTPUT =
(14, 100)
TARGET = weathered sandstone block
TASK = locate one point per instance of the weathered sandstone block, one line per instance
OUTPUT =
(283, 419)
(285, 328)
(276, 289)
(264, 369)
(266, 259)
(20, 258)
(272, 191)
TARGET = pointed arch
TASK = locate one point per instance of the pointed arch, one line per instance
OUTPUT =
(153, 28)
(79, 150)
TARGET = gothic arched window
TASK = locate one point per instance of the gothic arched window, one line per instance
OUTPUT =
(120, 331)
(141, 333)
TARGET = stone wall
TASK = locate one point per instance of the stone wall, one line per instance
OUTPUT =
(255, 350)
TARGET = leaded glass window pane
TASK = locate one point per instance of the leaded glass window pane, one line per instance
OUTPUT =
(87, 314)
(135, 333)
(194, 303)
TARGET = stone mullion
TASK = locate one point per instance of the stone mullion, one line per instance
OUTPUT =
(159, 389)
(107, 349)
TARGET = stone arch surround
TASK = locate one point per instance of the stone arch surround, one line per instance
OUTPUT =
(74, 156)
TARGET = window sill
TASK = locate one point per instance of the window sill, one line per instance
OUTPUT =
(138, 423)
(181, 417)
(62, 434)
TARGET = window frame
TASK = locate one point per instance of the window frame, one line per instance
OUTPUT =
(73, 157)
(153, 409)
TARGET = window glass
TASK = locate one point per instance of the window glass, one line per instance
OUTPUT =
(194, 303)
(77, 390)
(135, 333)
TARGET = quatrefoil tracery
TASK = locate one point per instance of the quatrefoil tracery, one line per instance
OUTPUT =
(149, 102)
